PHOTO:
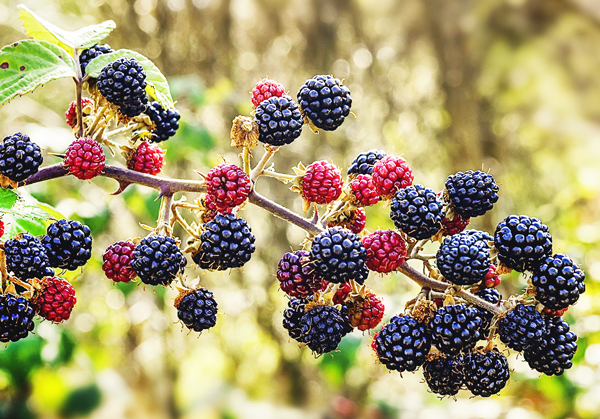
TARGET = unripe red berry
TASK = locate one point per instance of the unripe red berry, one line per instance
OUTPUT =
(363, 190)
(390, 174)
(264, 89)
(56, 299)
(147, 158)
(117, 261)
(71, 113)
(229, 186)
(84, 158)
(386, 250)
(322, 183)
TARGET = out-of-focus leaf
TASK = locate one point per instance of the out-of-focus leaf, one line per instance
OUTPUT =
(20, 358)
(82, 401)
(336, 366)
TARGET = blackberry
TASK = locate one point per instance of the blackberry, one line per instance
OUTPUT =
(443, 373)
(89, 54)
(296, 275)
(16, 317)
(485, 372)
(19, 157)
(197, 309)
(463, 259)
(417, 211)
(229, 186)
(166, 121)
(522, 242)
(264, 89)
(325, 101)
(292, 317)
(68, 244)
(364, 162)
(521, 328)
(279, 120)
(338, 255)
(122, 83)
(26, 257)
(558, 282)
(134, 108)
(321, 183)
(455, 328)
(402, 344)
(226, 242)
(55, 300)
(553, 355)
(386, 250)
(117, 261)
(323, 328)
(472, 193)
(493, 296)
(157, 260)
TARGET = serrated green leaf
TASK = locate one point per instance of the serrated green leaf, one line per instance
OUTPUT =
(42, 30)
(26, 65)
(7, 199)
(157, 85)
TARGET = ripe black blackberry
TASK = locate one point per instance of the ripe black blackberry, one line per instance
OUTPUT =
(480, 235)
(325, 101)
(553, 354)
(364, 162)
(226, 242)
(558, 282)
(521, 328)
(279, 120)
(157, 260)
(19, 157)
(123, 83)
(89, 54)
(166, 121)
(472, 193)
(402, 344)
(522, 242)
(491, 295)
(338, 255)
(197, 309)
(443, 373)
(68, 244)
(463, 259)
(417, 211)
(486, 372)
(26, 257)
(455, 328)
(16, 317)
(323, 328)
(292, 318)
(134, 108)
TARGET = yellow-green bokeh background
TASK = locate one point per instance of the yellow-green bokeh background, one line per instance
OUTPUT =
(511, 86)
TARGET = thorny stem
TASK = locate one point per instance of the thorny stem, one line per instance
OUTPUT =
(262, 163)
(164, 218)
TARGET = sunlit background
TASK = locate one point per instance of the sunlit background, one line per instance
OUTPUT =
(511, 86)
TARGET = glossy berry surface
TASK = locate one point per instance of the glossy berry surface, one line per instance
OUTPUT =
(455, 328)
(366, 312)
(323, 328)
(84, 158)
(492, 296)
(56, 299)
(390, 174)
(68, 244)
(292, 318)
(26, 257)
(463, 259)
(197, 309)
(417, 211)
(402, 344)
(444, 373)
(116, 261)
(521, 328)
(279, 121)
(71, 113)
(472, 193)
(338, 255)
(89, 54)
(166, 121)
(123, 83)
(265, 89)
(386, 250)
(554, 353)
(363, 191)
(491, 278)
(485, 372)
(229, 186)
(558, 282)
(16, 317)
(296, 275)
(147, 158)
(325, 101)
(454, 225)
(364, 162)
(19, 157)
(322, 183)
(522, 242)
(157, 260)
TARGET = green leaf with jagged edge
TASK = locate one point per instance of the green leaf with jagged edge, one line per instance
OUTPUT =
(157, 85)
(26, 65)
(23, 213)
(83, 38)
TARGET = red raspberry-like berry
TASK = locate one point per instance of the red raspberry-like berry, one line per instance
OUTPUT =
(366, 313)
(491, 279)
(264, 89)
(374, 343)
(84, 158)
(147, 158)
(342, 292)
(1, 228)
(455, 225)
(229, 186)
(390, 174)
(322, 183)
(355, 223)
(364, 191)
(296, 275)
(554, 312)
(117, 261)
(56, 300)
(386, 250)
(71, 113)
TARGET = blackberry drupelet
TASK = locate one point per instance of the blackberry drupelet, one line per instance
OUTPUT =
(166, 121)
(292, 318)
(472, 193)
(16, 317)
(19, 157)
(417, 211)
(522, 242)
(296, 275)
(553, 355)
(226, 242)
(197, 309)
(463, 259)
(443, 373)
(26, 257)
(521, 328)
(325, 101)
(122, 83)
(89, 54)
(485, 372)
(491, 295)
(338, 255)
(402, 344)
(364, 162)
(68, 244)
(279, 120)
(323, 328)
(558, 282)
(455, 328)
(157, 260)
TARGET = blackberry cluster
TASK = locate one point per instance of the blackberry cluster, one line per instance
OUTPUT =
(166, 121)
(26, 257)
(463, 259)
(296, 275)
(323, 328)
(472, 193)
(522, 242)
(16, 317)
(553, 354)
(19, 157)
(325, 101)
(157, 260)
(485, 372)
(455, 328)
(89, 54)
(444, 373)
(226, 242)
(558, 282)
(279, 120)
(292, 318)
(197, 309)
(338, 255)
(123, 83)
(417, 211)
(364, 162)
(402, 344)
(521, 328)
(68, 244)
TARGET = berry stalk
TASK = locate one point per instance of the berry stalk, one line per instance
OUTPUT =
(79, 88)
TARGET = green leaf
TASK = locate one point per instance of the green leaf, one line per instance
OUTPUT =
(7, 199)
(157, 85)
(42, 30)
(26, 65)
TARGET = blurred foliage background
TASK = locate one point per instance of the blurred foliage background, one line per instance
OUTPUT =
(508, 85)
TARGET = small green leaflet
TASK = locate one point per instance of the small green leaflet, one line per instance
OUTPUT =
(26, 65)
(24, 213)
(158, 87)
(40, 29)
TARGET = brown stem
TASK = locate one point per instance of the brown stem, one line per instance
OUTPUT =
(3, 271)
(79, 85)
(262, 163)
(164, 218)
